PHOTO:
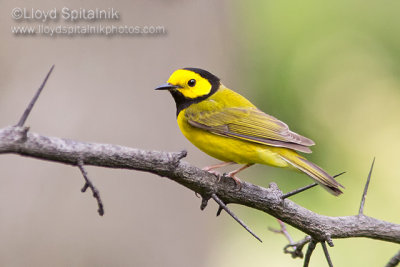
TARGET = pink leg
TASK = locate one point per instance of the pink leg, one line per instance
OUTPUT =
(210, 169)
(233, 174)
(216, 166)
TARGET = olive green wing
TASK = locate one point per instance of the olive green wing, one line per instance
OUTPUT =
(250, 124)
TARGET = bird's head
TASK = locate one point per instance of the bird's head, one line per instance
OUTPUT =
(191, 83)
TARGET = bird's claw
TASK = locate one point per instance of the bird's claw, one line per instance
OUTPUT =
(217, 174)
(238, 182)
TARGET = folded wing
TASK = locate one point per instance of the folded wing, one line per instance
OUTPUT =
(250, 124)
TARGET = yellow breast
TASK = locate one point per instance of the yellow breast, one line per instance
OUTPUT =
(230, 149)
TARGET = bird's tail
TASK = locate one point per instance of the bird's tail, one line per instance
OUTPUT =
(315, 172)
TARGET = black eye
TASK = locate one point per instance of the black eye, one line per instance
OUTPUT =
(192, 82)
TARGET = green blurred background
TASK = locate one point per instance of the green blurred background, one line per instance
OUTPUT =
(328, 69)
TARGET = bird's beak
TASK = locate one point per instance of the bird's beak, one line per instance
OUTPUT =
(167, 86)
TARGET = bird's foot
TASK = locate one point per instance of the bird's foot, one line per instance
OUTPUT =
(236, 179)
(211, 169)
(217, 174)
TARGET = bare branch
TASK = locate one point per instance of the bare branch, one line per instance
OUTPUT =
(283, 231)
(220, 209)
(329, 241)
(302, 189)
(89, 184)
(326, 252)
(169, 165)
(394, 261)
(299, 190)
(297, 248)
(320, 229)
(310, 250)
(223, 206)
(361, 211)
(33, 101)
(297, 251)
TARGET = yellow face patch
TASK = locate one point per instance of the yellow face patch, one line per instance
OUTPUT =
(191, 84)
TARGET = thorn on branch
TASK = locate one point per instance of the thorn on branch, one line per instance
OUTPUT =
(297, 247)
(220, 209)
(28, 110)
(361, 210)
(394, 261)
(328, 258)
(85, 187)
(302, 189)
(204, 202)
(328, 240)
(310, 250)
(295, 192)
(89, 184)
(222, 204)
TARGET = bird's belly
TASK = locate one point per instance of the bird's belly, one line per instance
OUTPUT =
(231, 149)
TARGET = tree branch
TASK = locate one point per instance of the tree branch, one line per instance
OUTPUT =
(394, 261)
(18, 140)
(296, 249)
(223, 206)
(283, 231)
(310, 250)
(327, 256)
(302, 189)
(89, 184)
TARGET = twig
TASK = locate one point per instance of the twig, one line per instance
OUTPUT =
(361, 211)
(394, 261)
(220, 209)
(222, 204)
(33, 101)
(297, 251)
(302, 189)
(326, 252)
(310, 250)
(328, 240)
(283, 231)
(204, 202)
(89, 184)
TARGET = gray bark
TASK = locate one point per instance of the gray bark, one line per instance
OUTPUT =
(19, 140)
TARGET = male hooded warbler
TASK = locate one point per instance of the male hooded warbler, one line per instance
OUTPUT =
(226, 126)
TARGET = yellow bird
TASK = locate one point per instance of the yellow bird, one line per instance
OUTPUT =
(226, 126)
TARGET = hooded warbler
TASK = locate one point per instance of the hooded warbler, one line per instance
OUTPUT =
(227, 126)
